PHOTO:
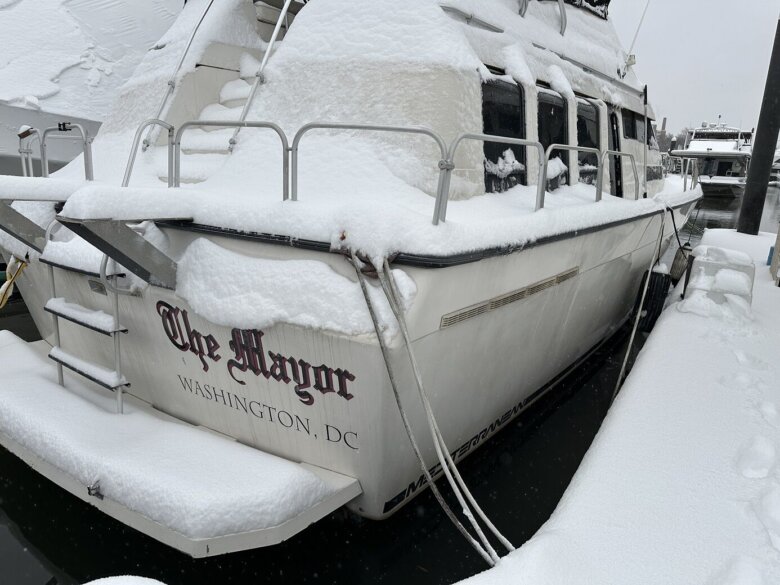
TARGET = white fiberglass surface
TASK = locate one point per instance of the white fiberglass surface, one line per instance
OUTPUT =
(191, 481)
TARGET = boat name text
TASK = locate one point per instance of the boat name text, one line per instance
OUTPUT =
(249, 355)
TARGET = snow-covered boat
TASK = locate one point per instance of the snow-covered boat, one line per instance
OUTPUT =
(373, 230)
(723, 156)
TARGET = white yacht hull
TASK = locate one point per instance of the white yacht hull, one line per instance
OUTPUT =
(479, 371)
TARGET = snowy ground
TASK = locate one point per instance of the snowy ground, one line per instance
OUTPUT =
(681, 485)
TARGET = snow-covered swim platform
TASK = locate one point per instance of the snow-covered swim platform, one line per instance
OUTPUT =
(681, 485)
(192, 489)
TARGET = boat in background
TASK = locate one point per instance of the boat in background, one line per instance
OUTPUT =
(348, 248)
(723, 156)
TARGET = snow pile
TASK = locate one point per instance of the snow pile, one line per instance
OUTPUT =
(556, 167)
(682, 483)
(71, 56)
(506, 165)
(239, 291)
(194, 482)
(380, 215)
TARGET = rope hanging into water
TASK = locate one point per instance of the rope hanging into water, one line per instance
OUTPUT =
(394, 296)
(485, 550)
(656, 252)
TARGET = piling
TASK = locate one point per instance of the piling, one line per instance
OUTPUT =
(763, 148)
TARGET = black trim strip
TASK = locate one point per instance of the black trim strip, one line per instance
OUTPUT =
(416, 260)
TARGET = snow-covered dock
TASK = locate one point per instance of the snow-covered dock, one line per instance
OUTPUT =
(681, 485)
(197, 491)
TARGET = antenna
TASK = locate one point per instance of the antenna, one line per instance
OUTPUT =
(631, 58)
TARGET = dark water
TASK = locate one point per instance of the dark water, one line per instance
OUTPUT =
(48, 536)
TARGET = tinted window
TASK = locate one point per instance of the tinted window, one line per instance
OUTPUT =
(629, 125)
(552, 123)
(588, 135)
(503, 115)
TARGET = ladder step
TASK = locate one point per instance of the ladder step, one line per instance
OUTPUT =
(196, 141)
(234, 91)
(219, 112)
(107, 378)
(94, 320)
(195, 168)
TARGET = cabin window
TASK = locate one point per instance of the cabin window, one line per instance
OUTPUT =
(503, 114)
(652, 142)
(553, 130)
(588, 136)
(635, 129)
(629, 125)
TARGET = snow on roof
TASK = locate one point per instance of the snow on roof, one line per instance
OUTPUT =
(71, 56)
(345, 33)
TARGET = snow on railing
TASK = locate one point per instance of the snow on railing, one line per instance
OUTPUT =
(446, 164)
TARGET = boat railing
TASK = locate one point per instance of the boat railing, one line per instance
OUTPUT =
(444, 162)
(232, 124)
(86, 142)
(260, 75)
(446, 165)
(26, 138)
(618, 154)
(571, 148)
(443, 195)
(136, 142)
(172, 81)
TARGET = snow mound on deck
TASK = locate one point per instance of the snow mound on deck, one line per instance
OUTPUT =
(240, 291)
(379, 218)
(197, 483)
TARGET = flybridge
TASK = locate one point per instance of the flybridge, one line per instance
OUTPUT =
(598, 7)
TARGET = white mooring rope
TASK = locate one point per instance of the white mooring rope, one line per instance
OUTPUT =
(463, 495)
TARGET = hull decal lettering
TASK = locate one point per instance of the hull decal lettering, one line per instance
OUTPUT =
(251, 357)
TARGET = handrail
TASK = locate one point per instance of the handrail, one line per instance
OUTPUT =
(25, 154)
(376, 128)
(134, 149)
(259, 77)
(53, 294)
(572, 148)
(234, 124)
(617, 153)
(172, 80)
(87, 148)
(444, 193)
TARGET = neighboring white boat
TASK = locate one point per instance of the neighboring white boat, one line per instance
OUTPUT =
(723, 155)
(232, 302)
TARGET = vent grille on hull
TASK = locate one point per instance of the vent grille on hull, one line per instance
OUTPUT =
(501, 301)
